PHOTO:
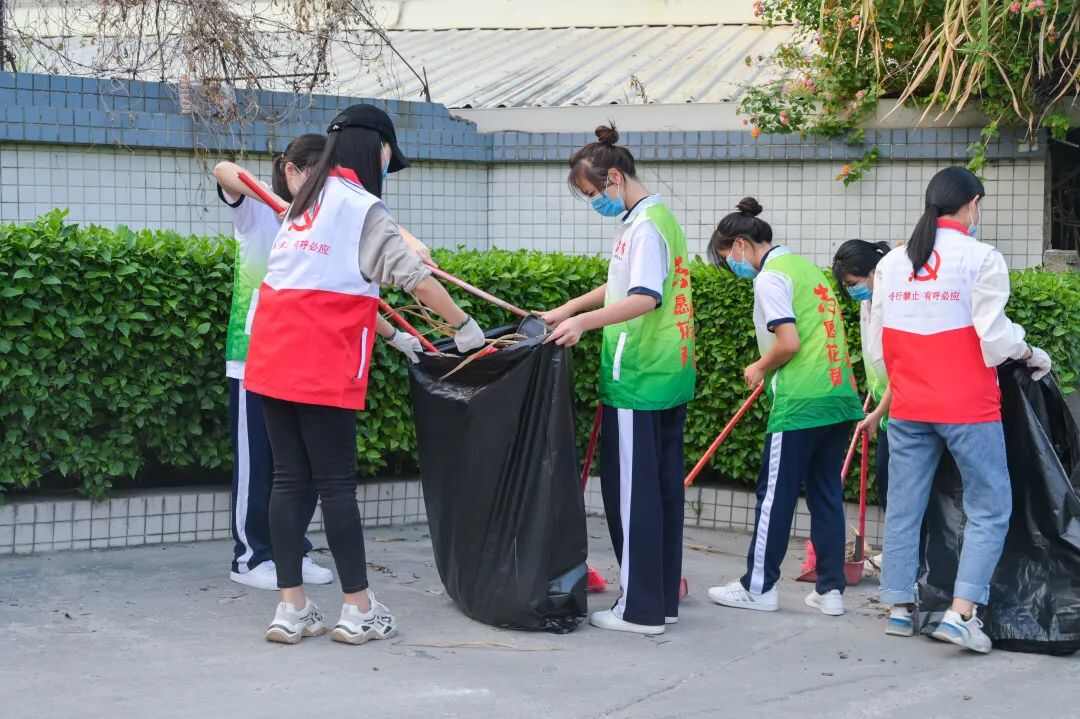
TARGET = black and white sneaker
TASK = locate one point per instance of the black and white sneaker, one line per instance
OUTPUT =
(356, 627)
(290, 624)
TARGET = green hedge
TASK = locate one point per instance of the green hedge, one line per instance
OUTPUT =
(111, 352)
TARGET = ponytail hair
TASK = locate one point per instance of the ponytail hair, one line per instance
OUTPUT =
(858, 258)
(592, 162)
(304, 151)
(354, 148)
(948, 191)
(741, 223)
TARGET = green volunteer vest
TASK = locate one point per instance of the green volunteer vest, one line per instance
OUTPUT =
(876, 383)
(648, 362)
(816, 387)
(249, 268)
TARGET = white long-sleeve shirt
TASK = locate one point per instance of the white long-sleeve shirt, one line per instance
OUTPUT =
(925, 329)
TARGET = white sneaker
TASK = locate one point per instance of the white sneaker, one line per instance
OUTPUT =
(356, 627)
(830, 603)
(735, 595)
(671, 620)
(967, 634)
(900, 622)
(607, 620)
(290, 624)
(314, 573)
(262, 576)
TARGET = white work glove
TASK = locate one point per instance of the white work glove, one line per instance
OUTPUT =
(469, 336)
(1038, 363)
(407, 345)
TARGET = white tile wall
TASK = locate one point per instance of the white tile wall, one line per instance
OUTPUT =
(532, 208)
(528, 206)
(443, 203)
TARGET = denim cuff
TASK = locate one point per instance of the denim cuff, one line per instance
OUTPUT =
(972, 592)
(892, 597)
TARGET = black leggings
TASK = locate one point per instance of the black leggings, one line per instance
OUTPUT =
(314, 446)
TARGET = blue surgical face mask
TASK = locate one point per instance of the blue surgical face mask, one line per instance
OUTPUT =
(973, 228)
(741, 268)
(608, 206)
(860, 292)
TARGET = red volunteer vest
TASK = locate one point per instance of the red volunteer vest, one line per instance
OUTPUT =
(313, 328)
(932, 353)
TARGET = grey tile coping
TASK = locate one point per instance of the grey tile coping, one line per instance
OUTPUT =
(129, 113)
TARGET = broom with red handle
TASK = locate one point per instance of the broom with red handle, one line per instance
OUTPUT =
(279, 206)
(808, 571)
(594, 581)
(743, 409)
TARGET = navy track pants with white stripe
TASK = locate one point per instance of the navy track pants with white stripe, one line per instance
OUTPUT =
(253, 477)
(641, 480)
(810, 457)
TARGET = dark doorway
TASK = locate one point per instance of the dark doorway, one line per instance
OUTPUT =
(1065, 193)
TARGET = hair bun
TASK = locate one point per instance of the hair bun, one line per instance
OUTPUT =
(607, 134)
(749, 206)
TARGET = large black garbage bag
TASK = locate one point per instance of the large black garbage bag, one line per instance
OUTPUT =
(1035, 591)
(499, 471)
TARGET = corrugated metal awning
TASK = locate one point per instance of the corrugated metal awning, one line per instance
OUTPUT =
(554, 67)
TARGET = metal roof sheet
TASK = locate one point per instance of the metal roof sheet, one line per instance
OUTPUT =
(553, 67)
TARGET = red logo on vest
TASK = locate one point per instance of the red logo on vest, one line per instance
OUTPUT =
(929, 271)
(307, 220)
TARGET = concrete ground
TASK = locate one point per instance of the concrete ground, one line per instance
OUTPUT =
(160, 632)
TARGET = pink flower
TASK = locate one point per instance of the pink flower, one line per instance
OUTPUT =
(784, 119)
(860, 94)
(1015, 8)
(759, 8)
(855, 21)
(809, 85)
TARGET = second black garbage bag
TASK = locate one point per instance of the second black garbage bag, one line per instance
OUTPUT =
(500, 476)
(1034, 593)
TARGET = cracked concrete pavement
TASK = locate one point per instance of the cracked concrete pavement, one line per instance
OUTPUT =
(161, 632)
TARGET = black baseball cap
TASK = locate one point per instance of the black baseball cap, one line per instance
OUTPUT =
(372, 118)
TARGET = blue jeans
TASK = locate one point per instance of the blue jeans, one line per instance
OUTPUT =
(914, 451)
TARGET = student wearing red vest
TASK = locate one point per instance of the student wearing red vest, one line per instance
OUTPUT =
(309, 356)
(255, 226)
(939, 330)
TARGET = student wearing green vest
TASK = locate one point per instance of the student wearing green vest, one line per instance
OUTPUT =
(646, 379)
(853, 267)
(808, 379)
(254, 227)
